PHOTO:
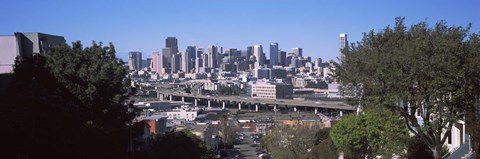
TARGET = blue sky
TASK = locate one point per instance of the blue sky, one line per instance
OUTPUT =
(143, 25)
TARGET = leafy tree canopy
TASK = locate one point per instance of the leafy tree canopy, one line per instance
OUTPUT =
(68, 103)
(370, 134)
(424, 71)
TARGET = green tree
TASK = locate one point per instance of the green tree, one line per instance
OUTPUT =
(416, 71)
(68, 104)
(290, 142)
(370, 134)
(324, 147)
(228, 130)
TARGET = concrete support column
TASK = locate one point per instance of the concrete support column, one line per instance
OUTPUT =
(256, 107)
(316, 110)
(295, 109)
(223, 104)
(240, 106)
(171, 97)
(341, 113)
(275, 108)
(196, 102)
(208, 103)
(161, 97)
(183, 99)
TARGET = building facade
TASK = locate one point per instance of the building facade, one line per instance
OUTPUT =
(25, 45)
(134, 61)
(274, 56)
(272, 90)
(298, 51)
(257, 53)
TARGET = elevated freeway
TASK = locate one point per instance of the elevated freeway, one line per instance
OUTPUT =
(264, 104)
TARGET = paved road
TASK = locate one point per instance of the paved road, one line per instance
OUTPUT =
(247, 148)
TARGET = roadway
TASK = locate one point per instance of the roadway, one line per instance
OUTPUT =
(338, 105)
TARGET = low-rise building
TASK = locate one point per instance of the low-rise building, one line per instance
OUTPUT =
(157, 123)
(184, 113)
(267, 90)
(263, 125)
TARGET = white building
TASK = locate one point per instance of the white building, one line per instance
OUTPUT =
(257, 53)
(272, 90)
(187, 114)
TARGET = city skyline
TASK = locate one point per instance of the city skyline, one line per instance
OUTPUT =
(313, 26)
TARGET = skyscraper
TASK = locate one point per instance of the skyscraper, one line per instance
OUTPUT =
(297, 51)
(157, 62)
(186, 63)
(134, 60)
(171, 48)
(197, 65)
(192, 52)
(343, 43)
(167, 57)
(283, 58)
(205, 60)
(257, 53)
(200, 51)
(176, 62)
(274, 54)
(212, 56)
(249, 52)
(171, 42)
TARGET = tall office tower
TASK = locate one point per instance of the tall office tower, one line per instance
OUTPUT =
(318, 63)
(212, 56)
(249, 51)
(274, 54)
(197, 65)
(134, 60)
(200, 51)
(233, 54)
(297, 51)
(167, 58)
(204, 60)
(289, 58)
(283, 58)
(301, 62)
(343, 43)
(257, 53)
(294, 61)
(192, 52)
(149, 63)
(172, 43)
(219, 49)
(192, 55)
(220, 59)
(186, 64)
(176, 62)
(157, 62)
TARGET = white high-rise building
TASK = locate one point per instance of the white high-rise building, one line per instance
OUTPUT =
(157, 62)
(343, 43)
(205, 60)
(185, 62)
(258, 54)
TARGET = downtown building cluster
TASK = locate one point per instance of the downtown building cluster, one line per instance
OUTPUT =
(197, 62)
